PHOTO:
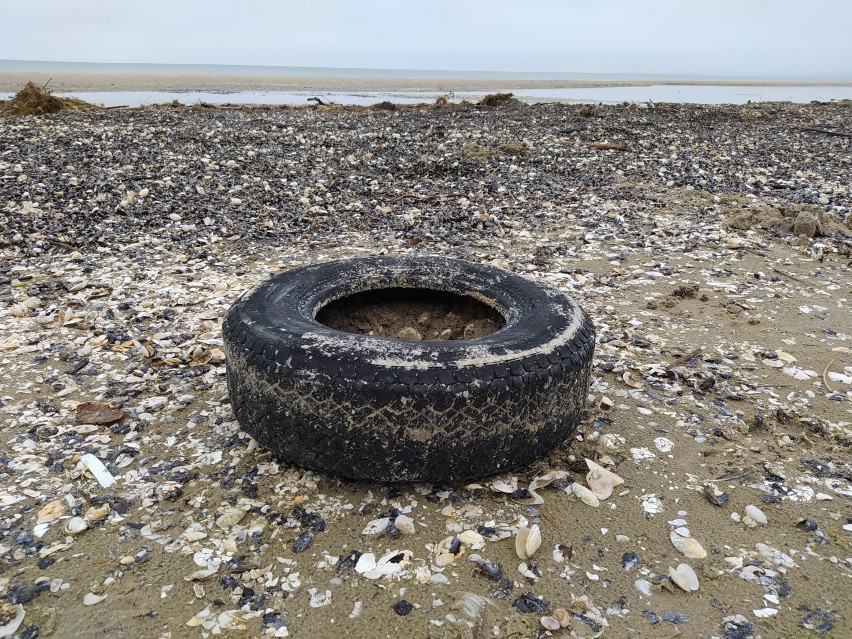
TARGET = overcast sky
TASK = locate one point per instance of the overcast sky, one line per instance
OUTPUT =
(786, 38)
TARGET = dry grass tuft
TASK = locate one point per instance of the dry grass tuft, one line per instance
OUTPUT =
(36, 100)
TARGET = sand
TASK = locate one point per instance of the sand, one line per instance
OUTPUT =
(723, 360)
(63, 82)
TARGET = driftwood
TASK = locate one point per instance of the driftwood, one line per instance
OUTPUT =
(839, 134)
(607, 146)
(318, 101)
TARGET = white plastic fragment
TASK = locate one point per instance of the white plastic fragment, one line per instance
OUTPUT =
(98, 470)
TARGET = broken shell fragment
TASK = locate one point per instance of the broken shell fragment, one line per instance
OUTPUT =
(405, 524)
(98, 470)
(91, 599)
(527, 541)
(600, 484)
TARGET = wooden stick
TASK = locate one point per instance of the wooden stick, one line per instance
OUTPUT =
(423, 198)
(825, 376)
(683, 359)
(839, 134)
(790, 275)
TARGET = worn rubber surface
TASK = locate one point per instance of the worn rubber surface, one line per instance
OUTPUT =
(403, 410)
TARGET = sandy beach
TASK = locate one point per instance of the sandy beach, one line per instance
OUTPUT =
(710, 245)
(13, 81)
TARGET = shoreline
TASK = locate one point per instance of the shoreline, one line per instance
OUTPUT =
(12, 81)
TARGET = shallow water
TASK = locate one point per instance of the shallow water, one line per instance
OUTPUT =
(686, 94)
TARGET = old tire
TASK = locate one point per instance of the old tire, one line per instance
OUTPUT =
(391, 409)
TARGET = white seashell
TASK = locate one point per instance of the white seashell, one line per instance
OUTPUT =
(688, 546)
(616, 479)
(527, 541)
(472, 538)
(356, 610)
(365, 562)
(405, 524)
(756, 514)
(643, 586)
(98, 470)
(606, 404)
(547, 479)
(470, 604)
(376, 527)
(764, 613)
(585, 495)
(600, 484)
(504, 485)
(550, 623)
(75, 525)
(91, 599)
(685, 577)
(14, 623)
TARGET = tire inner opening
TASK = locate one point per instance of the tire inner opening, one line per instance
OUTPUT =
(411, 313)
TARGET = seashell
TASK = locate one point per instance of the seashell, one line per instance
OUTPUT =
(504, 485)
(756, 515)
(75, 525)
(600, 484)
(643, 586)
(230, 516)
(550, 623)
(527, 541)
(470, 604)
(472, 538)
(547, 479)
(91, 599)
(585, 495)
(632, 379)
(616, 479)
(562, 552)
(9, 629)
(51, 511)
(685, 577)
(365, 562)
(376, 527)
(561, 615)
(606, 404)
(688, 546)
(96, 467)
(405, 524)
(444, 559)
(97, 513)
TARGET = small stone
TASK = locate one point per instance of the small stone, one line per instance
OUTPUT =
(402, 607)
